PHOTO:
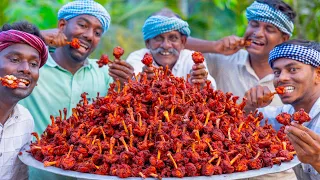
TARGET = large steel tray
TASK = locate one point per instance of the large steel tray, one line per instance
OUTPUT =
(27, 159)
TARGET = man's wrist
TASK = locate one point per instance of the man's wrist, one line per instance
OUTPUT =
(316, 166)
(214, 46)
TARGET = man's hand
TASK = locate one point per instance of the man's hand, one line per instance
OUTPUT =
(149, 70)
(258, 97)
(198, 74)
(54, 37)
(306, 143)
(121, 70)
(229, 45)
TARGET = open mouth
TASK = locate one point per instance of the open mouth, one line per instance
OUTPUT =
(289, 89)
(165, 53)
(23, 82)
(84, 46)
(259, 43)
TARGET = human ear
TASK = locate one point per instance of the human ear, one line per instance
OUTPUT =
(62, 24)
(317, 71)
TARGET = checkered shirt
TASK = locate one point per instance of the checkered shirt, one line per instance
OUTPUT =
(265, 13)
(14, 134)
(270, 113)
(300, 53)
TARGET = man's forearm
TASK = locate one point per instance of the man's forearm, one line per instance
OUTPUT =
(200, 45)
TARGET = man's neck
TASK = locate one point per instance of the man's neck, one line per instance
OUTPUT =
(307, 103)
(260, 66)
(6, 109)
(65, 61)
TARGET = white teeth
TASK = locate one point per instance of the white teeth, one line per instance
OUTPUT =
(289, 89)
(24, 81)
(21, 84)
(165, 53)
(256, 42)
(84, 46)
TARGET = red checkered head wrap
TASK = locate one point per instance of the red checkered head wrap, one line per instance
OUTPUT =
(10, 37)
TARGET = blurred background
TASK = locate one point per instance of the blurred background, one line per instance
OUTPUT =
(208, 19)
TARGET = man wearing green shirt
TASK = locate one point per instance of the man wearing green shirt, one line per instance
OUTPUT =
(68, 72)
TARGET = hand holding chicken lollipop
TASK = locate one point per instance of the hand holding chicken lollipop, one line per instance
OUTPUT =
(261, 96)
(118, 69)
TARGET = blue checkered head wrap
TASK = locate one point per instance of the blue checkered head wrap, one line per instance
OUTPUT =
(265, 13)
(81, 7)
(300, 53)
(156, 25)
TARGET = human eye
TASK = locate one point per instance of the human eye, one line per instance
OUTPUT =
(34, 64)
(98, 33)
(293, 69)
(254, 23)
(158, 38)
(14, 59)
(276, 73)
(173, 38)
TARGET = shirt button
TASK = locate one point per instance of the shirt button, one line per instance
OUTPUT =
(0, 154)
(16, 117)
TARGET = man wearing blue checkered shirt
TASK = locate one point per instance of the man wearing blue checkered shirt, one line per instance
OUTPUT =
(296, 67)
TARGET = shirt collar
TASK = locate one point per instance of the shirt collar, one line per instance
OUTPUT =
(13, 118)
(251, 71)
(52, 63)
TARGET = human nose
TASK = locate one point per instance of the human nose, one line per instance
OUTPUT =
(89, 34)
(24, 67)
(258, 32)
(166, 44)
(283, 77)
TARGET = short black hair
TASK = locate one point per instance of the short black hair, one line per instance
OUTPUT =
(24, 26)
(305, 43)
(281, 6)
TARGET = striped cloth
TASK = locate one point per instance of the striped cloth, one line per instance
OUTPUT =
(296, 52)
(156, 25)
(10, 37)
(81, 7)
(265, 13)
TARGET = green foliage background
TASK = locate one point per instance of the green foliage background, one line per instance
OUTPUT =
(208, 19)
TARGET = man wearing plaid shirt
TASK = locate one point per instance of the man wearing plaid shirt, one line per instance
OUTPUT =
(22, 53)
(296, 66)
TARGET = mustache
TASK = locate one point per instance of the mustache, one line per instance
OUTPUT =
(160, 49)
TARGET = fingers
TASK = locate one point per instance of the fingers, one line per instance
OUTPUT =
(122, 65)
(311, 133)
(116, 76)
(198, 74)
(233, 43)
(149, 71)
(54, 37)
(303, 137)
(299, 150)
(121, 70)
(256, 96)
